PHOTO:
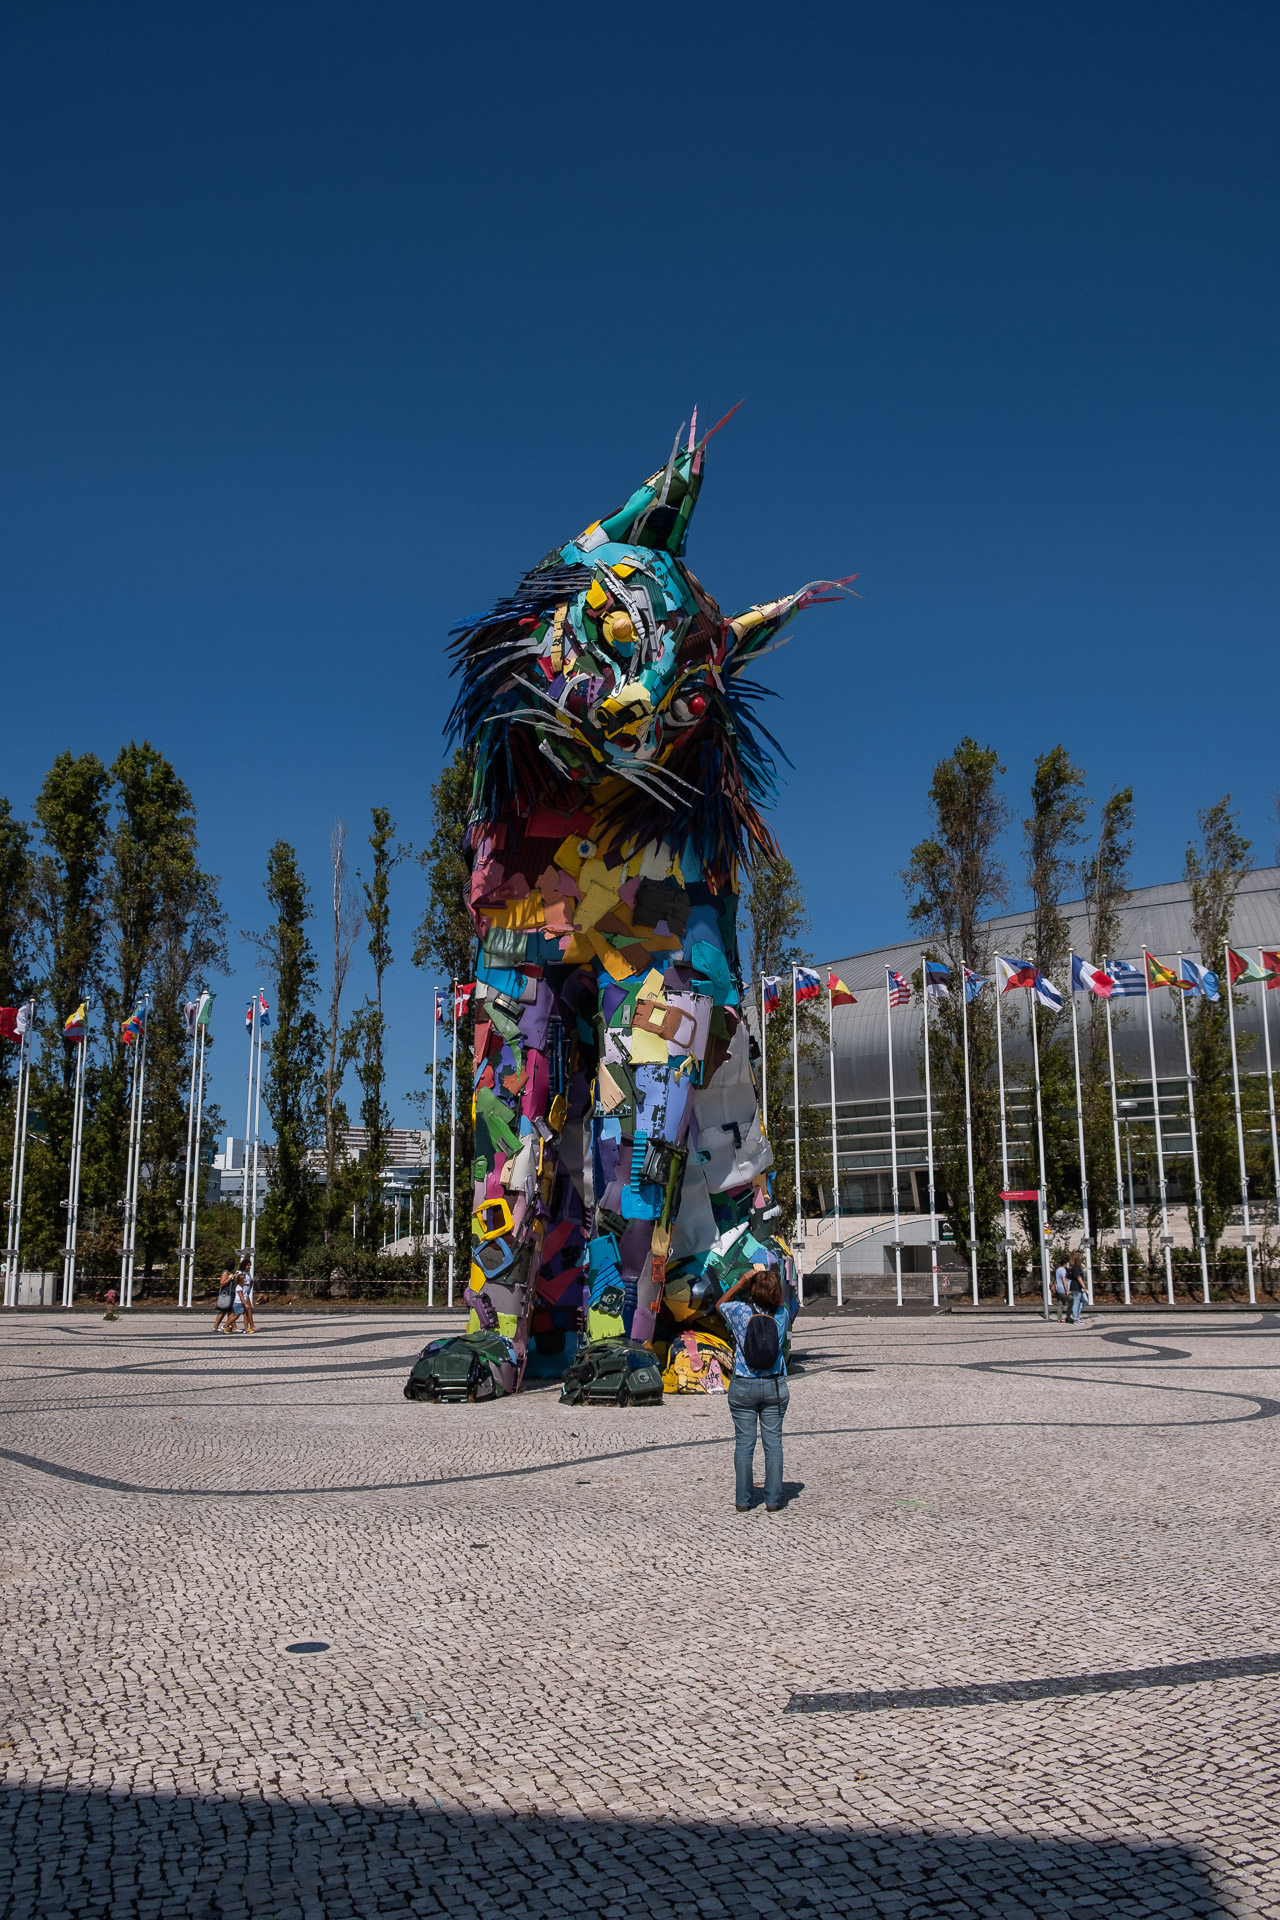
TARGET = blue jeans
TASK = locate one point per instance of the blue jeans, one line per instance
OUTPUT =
(1077, 1304)
(765, 1400)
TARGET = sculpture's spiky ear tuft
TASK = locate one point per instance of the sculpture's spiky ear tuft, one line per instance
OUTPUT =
(659, 512)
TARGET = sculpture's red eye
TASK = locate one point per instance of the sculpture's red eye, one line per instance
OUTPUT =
(698, 704)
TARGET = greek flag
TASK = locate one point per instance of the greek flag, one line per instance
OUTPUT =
(1130, 982)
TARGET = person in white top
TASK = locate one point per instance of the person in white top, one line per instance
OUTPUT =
(1061, 1292)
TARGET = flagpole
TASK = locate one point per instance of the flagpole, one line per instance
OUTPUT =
(1271, 1085)
(248, 1119)
(131, 1055)
(764, 1063)
(1084, 1171)
(19, 1131)
(431, 1245)
(1244, 1171)
(1165, 1237)
(195, 1170)
(1043, 1208)
(73, 1185)
(186, 1168)
(893, 1140)
(795, 1118)
(968, 1130)
(928, 1131)
(15, 1223)
(453, 1148)
(1195, 1148)
(1115, 1131)
(137, 1148)
(1004, 1156)
(835, 1158)
(257, 1128)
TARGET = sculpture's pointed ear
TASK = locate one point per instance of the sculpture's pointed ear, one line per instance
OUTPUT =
(749, 635)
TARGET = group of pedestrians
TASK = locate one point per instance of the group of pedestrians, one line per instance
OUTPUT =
(1071, 1294)
(235, 1298)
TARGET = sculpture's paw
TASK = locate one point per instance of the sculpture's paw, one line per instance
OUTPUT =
(613, 1373)
(469, 1366)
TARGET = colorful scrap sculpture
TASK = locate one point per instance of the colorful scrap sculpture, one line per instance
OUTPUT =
(621, 1172)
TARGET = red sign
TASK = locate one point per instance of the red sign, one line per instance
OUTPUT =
(1028, 1193)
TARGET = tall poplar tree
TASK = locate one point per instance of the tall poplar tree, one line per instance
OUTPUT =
(292, 1085)
(779, 921)
(444, 943)
(1213, 873)
(1105, 883)
(955, 881)
(370, 1022)
(347, 920)
(15, 928)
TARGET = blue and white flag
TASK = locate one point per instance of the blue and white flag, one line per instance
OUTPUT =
(1200, 979)
(264, 1011)
(973, 985)
(1046, 993)
(1130, 981)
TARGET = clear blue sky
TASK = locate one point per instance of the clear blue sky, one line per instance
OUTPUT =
(323, 323)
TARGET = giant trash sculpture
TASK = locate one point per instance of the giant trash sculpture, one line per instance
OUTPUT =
(622, 1177)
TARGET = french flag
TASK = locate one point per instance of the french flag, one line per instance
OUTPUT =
(1086, 978)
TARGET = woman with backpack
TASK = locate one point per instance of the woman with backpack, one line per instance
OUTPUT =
(758, 1389)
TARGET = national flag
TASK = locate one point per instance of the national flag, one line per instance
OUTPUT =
(1243, 971)
(74, 1028)
(248, 1017)
(189, 1018)
(26, 1018)
(899, 989)
(1199, 979)
(1016, 973)
(973, 985)
(1086, 978)
(937, 979)
(808, 983)
(1046, 993)
(1159, 975)
(440, 993)
(204, 1011)
(1271, 961)
(8, 1023)
(772, 985)
(1128, 981)
(462, 992)
(840, 994)
(264, 1011)
(132, 1028)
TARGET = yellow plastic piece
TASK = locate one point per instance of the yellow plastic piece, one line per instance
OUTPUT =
(482, 1227)
(624, 569)
(618, 628)
(596, 595)
(557, 1113)
(477, 1280)
(507, 1325)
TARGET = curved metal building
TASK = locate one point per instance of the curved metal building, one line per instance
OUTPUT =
(1158, 918)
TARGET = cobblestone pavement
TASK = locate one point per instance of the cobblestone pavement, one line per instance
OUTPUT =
(564, 1676)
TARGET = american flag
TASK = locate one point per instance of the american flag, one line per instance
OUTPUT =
(899, 989)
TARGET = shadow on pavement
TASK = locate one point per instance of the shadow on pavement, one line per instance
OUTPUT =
(209, 1858)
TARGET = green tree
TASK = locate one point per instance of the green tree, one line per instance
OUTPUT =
(779, 920)
(72, 811)
(1053, 832)
(1213, 873)
(341, 1045)
(955, 881)
(1105, 883)
(444, 940)
(369, 1028)
(16, 978)
(293, 1089)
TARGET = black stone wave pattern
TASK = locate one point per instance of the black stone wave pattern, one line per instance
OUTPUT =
(1245, 1666)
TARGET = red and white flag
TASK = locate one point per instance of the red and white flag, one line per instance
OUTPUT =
(462, 992)
(1085, 977)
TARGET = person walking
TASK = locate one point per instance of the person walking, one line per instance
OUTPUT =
(246, 1297)
(226, 1297)
(758, 1390)
(1079, 1294)
(1061, 1297)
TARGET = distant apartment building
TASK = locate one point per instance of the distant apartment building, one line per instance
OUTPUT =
(232, 1167)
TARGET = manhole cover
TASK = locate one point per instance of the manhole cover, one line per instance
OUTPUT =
(308, 1646)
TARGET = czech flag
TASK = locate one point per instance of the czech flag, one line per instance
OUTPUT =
(1016, 973)
(74, 1028)
(840, 994)
(1086, 978)
(772, 984)
(808, 984)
